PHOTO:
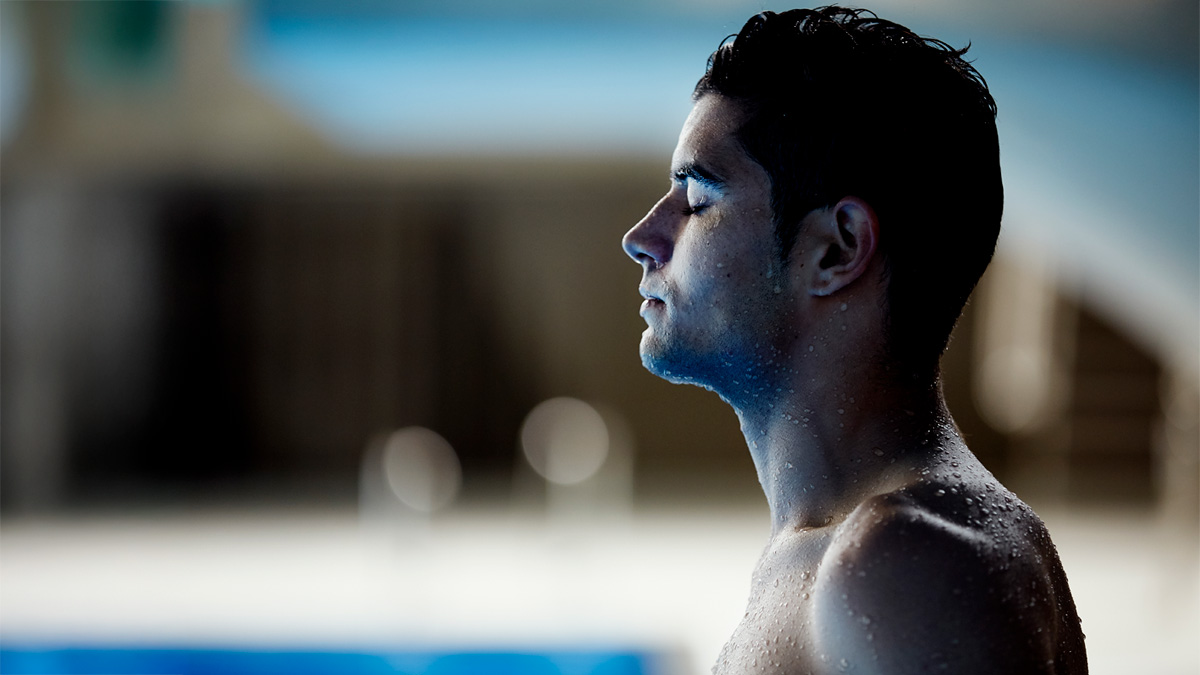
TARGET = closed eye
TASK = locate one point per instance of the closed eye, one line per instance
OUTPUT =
(699, 196)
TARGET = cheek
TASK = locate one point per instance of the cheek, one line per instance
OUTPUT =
(713, 254)
(696, 262)
(708, 276)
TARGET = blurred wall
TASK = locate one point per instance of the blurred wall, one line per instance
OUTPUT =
(207, 295)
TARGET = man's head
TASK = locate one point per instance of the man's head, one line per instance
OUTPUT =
(823, 111)
(841, 103)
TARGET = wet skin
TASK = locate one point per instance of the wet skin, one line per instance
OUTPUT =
(940, 574)
(892, 549)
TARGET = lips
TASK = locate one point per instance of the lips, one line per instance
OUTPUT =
(651, 302)
(648, 295)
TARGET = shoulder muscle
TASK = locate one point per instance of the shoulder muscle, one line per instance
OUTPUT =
(903, 590)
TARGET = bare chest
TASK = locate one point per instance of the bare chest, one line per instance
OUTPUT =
(775, 633)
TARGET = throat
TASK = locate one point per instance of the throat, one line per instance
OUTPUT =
(816, 463)
(798, 473)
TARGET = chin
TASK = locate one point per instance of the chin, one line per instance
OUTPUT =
(664, 369)
(673, 363)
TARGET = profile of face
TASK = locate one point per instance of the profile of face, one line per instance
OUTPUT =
(716, 298)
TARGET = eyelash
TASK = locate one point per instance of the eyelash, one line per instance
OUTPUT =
(694, 210)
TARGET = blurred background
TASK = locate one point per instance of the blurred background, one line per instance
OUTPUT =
(317, 334)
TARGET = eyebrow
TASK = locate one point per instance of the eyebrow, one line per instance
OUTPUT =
(698, 173)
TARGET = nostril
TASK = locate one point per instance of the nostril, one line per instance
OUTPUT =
(646, 246)
(644, 255)
(649, 242)
(634, 246)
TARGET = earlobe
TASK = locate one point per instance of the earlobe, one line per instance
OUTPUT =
(848, 234)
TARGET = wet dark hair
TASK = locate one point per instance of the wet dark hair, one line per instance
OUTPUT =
(842, 103)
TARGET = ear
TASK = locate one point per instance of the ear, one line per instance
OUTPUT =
(845, 239)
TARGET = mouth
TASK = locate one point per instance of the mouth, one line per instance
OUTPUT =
(651, 301)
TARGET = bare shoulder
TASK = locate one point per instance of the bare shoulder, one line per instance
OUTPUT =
(928, 580)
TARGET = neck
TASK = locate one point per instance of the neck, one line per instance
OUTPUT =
(823, 444)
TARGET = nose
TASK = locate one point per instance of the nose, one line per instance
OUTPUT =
(651, 240)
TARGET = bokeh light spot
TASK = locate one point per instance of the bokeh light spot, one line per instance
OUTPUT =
(421, 469)
(565, 440)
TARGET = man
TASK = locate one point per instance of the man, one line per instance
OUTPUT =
(835, 196)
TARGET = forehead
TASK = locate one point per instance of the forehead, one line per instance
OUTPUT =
(709, 138)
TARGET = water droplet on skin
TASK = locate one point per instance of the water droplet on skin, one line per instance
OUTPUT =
(845, 306)
(878, 452)
(810, 348)
(940, 493)
(841, 411)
